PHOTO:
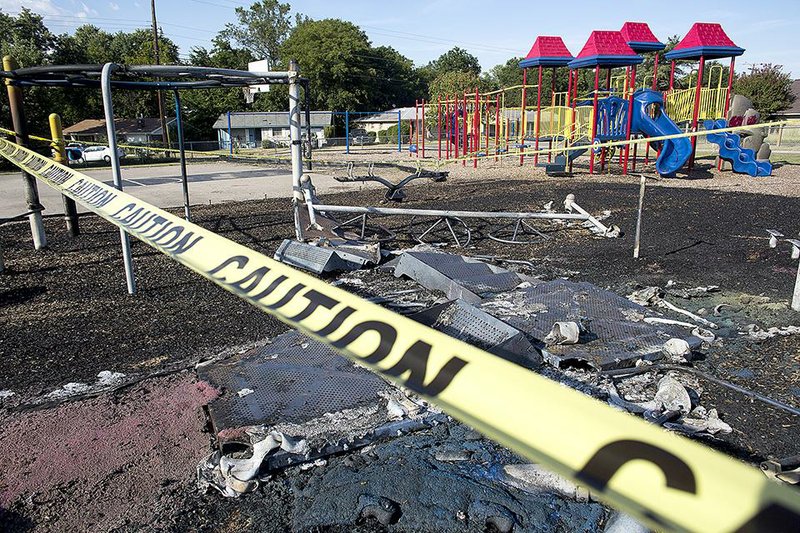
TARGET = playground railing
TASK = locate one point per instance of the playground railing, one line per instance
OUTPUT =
(679, 103)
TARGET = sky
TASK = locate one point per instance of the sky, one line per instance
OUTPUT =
(493, 32)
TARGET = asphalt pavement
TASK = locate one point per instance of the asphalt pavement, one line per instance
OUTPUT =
(160, 185)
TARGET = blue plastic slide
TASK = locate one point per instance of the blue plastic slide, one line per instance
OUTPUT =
(743, 160)
(650, 120)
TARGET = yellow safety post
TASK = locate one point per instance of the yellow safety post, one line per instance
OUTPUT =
(60, 156)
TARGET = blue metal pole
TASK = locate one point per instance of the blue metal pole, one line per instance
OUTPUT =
(347, 131)
(230, 137)
(399, 132)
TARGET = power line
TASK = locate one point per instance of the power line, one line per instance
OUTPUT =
(429, 38)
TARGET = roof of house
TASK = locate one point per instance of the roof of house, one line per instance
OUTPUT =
(270, 119)
(705, 39)
(606, 49)
(793, 109)
(547, 51)
(390, 116)
(640, 37)
(124, 126)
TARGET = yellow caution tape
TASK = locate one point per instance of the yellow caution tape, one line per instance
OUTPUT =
(663, 479)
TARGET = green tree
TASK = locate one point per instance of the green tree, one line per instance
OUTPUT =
(345, 70)
(447, 84)
(455, 60)
(30, 43)
(202, 108)
(261, 28)
(767, 86)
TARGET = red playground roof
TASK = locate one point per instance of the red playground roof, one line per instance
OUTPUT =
(705, 39)
(705, 34)
(607, 49)
(606, 43)
(640, 38)
(547, 51)
(547, 46)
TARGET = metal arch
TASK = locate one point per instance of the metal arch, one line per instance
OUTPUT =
(447, 229)
(366, 232)
(184, 77)
(522, 232)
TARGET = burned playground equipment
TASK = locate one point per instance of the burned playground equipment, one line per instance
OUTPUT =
(319, 220)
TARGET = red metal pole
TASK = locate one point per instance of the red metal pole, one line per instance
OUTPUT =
(496, 124)
(696, 111)
(730, 86)
(476, 128)
(631, 87)
(439, 124)
(552, 110)
(594, 117)
(486, 103)
(523, 117)
(465, 142)
(456, 131)
(672, 74)
(655, 72)
(447, 128)
(538, 117)
(422, 128)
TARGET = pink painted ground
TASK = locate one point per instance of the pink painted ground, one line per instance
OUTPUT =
(101, 461)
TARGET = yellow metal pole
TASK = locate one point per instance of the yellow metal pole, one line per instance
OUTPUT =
(60, 156)
(20, 124)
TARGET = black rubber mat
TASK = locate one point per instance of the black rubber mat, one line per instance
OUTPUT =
(294, 379)
(617, 335)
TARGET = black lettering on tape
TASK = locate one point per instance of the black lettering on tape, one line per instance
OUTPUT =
(116, 215)
(315, 300)
(286, 297)
(387, 333)
(252, 280)
(269, 290)
(336, 323)
(184, 244)
(240, 261)
(415, 360)
(613, 456)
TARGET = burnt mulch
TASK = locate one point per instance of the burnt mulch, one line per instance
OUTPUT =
(65, 313)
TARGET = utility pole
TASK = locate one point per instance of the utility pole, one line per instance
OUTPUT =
(157, 61)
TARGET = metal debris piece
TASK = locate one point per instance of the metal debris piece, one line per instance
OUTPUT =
(234, 476)
(615, 337)
(673, 396)
(457, 276)
(474, 326)
(536, 478)
(786, 469)
(652, 297)
(773, 237)
(756, 333)
(795, 247)
(320, 259)
(677, 350)
(692, 292)
(701, 421)
(563, 333)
